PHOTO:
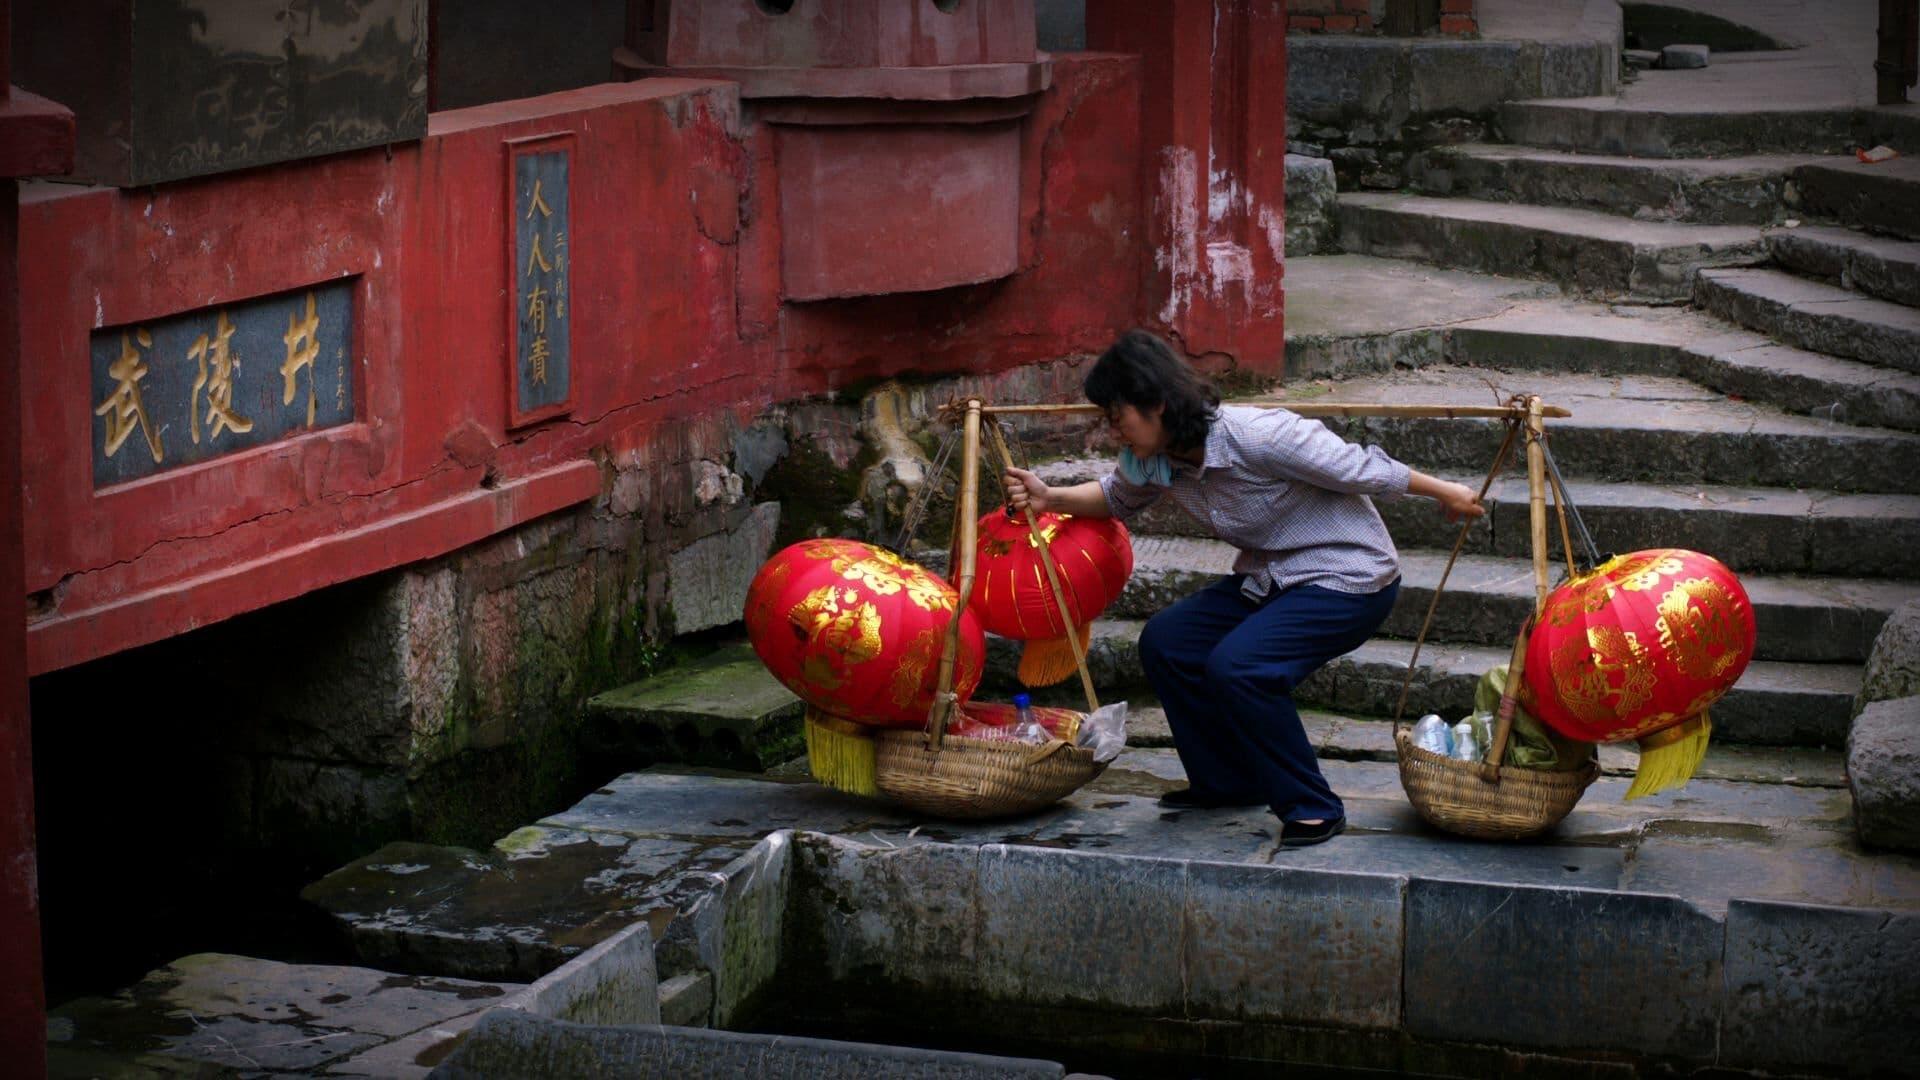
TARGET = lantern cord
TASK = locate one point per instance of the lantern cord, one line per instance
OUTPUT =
(1566, 502)
(917, 506)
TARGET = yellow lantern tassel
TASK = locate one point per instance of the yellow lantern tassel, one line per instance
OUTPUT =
(1043, 663)
(840, 754)
(1669, 758)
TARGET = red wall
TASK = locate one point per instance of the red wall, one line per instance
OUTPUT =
(677, 313)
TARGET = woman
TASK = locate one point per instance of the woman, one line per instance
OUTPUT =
(1316, 576)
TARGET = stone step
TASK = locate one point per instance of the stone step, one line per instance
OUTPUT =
(1800, 619)
(723, 710)
(1642, 429)
(1602, 125)
(1725, 191)
(1586, 252)
(1696, 347)
(1774, 704)
(1884, 197)
(1481, 320)
(1814, 315)
(1875, 265)
(1752, 530)
(1342, 736)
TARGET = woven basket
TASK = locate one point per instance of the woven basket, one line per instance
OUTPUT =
(1513, 804)
(978, 778)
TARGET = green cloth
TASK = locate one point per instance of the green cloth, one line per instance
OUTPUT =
(1532, 745)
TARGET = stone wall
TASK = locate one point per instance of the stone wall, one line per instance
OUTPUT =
(1455, 17)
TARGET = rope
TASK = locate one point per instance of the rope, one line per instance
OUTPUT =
(917, 506)
(1499, 462)
(1566, 502)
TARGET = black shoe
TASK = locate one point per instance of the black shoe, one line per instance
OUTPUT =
(1300, 834)
(1188, 798)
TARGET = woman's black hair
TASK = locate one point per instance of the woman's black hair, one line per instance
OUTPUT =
(1141, 371)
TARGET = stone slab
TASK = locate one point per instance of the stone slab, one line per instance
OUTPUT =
(1820, 987)
(1684, 57)
(1279, 945)
(612, 983)
(1712, 863)
(686, 1000)
(724, 709)
(1743, 191)
(1893, 667)
(514, 913)
(1562, 969)
(214, 1011)
(505, 1043)
(1877, 265)
(909, 915)
(1881, 197)
(1049, 936)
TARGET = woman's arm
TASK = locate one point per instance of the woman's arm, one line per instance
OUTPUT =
(1457, 501)
(1081, 500)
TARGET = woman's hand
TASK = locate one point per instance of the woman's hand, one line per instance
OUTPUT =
(1457, 501)
(1025, 489)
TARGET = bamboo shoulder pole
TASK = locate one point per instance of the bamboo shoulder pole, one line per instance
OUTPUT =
(968, 524)
(1053, 580)
(1323, 409)
(1537, 501)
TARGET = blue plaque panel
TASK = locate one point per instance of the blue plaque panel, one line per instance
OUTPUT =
(541, 266)
(191, 387)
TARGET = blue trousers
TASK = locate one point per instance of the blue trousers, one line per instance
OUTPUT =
(1225, 668)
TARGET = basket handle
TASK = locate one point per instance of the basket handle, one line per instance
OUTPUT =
(1053, 576)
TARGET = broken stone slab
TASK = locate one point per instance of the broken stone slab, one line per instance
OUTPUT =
(1893, 667)
(1883, 197)
(1876, 265)
(612, 983)
(216, 1011)
(1535, 967)
(686, 1000)
(724, 709)
(540, 898)
(505, 1043)
(1820, 988)
(1815, 315)
(1713, 863)
(707, 580)
(1640, 59)
(1883, 769)
(1684, 57)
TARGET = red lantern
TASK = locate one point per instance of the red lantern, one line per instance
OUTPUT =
(1013, 598)
(858, 633)
(1639, 649)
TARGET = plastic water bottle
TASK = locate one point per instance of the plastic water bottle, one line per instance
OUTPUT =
(1433, 735)
(1027, 729)
(1466, 747)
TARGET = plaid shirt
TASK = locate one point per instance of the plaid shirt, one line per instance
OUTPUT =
(1291, 495)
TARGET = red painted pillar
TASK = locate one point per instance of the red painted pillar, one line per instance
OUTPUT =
(36, 138)
(1213, 147)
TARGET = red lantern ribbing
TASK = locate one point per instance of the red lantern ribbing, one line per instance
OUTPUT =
(1014, 600)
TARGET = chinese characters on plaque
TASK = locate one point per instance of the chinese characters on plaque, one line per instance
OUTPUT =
(186, 388)
(541, 267)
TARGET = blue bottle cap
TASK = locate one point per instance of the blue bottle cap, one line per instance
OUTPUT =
(1021, 701)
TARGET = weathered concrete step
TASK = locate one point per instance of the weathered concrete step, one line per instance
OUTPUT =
(1875, 265)
(1586, 252)
(1774, 704)
(1601, 125)
(1753, 530)
(1725, 191)
(1452, 316)
(1692, 346)
(1341, 736)
(723, 709)
(1643, 429)
(1883, 197)
(1814, 315)
(1811, 620)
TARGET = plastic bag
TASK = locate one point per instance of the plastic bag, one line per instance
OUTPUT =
(1105, 731)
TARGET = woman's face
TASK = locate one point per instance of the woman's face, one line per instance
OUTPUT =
(1139, 428)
